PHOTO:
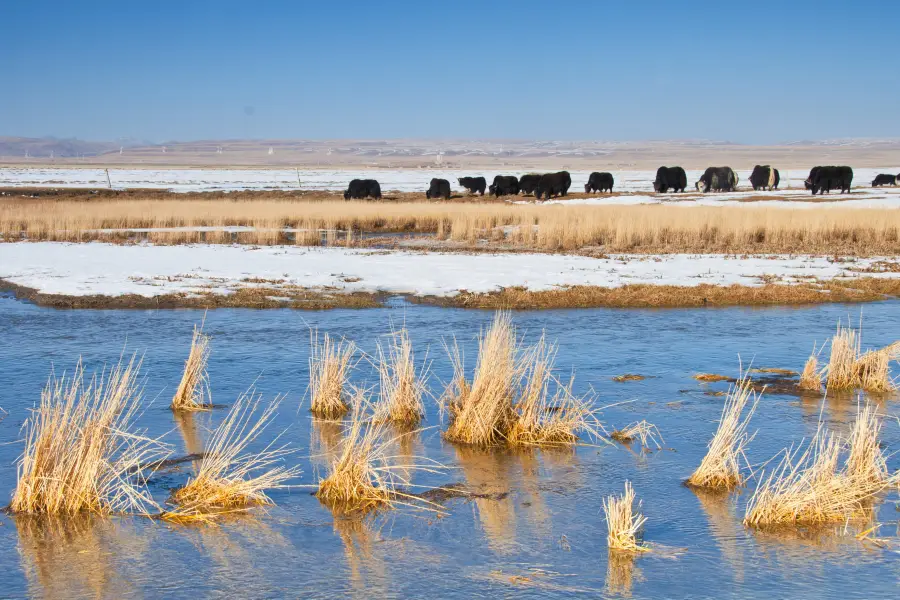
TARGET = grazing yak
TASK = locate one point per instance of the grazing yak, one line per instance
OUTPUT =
(505, 185)
(553, 184)
(599, 182)
(439, 188)
(528, 183)
(474, 185)
(363, 188)
(884, 180)
(667, 178)
(717, 179)
(822, 180)
(764, 177)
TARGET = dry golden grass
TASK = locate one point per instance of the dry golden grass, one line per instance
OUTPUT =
(81, 452)
(193, 391)
(720, 469)
(362, 477)
(402, 388)
(542, 418)
(623, 523)
(481, 413)
(329, 366)
(628, 377)
(644, 431)
(850, 368)
(559, 228)
(811, 377)
(809, 489)
(231, 477)
(711, 377)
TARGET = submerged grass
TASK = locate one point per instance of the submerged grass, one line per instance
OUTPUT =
(623, 523)
(643, 430)
(231, 477)
(193, 391)
(720, 468)
(808, 488)
(81, 451)
(329, 365)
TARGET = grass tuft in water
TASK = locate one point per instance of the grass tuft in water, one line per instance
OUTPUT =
(402, 389)
(849, 368)
(644, 431)
(193, 391)
(329, 366)
(623, 523)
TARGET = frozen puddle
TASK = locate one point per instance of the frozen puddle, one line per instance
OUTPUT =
(147, 270)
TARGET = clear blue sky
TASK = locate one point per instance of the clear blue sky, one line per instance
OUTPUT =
(751, 72)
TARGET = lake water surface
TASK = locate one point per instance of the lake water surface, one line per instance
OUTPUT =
(541, 534)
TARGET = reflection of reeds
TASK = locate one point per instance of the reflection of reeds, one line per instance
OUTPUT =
(623, 524)
(231, 478)
(329, 365)
(721, 467)
(488, 474)
(368, 573)
(80, 452)
(724, 526)
(325, 440)
(193, 391)
(401, 387)
(809, 488)
(621, 573)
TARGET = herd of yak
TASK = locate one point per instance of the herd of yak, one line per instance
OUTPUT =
(821, 180)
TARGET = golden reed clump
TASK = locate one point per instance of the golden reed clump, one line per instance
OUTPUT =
(402, 388)
(193, 391)
(643, 430)
(513, 397)
(721, 467)
(623, 523)
(329, 366)
(850, 368)
(82, 453)
(811, 377)
(809, 488)
(230, 478)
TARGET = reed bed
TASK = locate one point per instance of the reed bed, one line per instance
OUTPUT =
(231, 477)
(329, 365)
(720, 468)
(193, 390)
(623, 522)
(362, 477)
(82, 453)
(850, 368)
(811, 377)
(810, 488)
(643, 430)
(514, 397)
(402, 388)
(548, 228)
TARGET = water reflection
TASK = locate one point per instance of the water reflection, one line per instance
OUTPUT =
(367, 570)
(488, 474)
(725, 527)
(621, 573)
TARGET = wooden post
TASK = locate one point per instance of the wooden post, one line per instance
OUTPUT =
(108, 180)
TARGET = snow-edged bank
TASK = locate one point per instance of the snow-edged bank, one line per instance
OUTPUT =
(147, 270)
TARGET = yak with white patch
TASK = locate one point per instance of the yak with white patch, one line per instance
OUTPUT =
(505, 185)
(717, 179)
(884, 179)
(599, 182)
(363, 188)
(670, 178)
(528, 183)
(764, 177)
(474, 185)
(439, 188)
(824, 179)
(553, 184)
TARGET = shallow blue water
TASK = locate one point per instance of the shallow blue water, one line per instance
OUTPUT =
(547, 537)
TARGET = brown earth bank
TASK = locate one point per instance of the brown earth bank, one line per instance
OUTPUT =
(865, 289)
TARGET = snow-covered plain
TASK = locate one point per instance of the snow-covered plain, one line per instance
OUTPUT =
(402, 180)
(146, 270)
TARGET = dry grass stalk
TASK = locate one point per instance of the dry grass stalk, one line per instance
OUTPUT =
(81, 454)
(193, 391)
(329, 365)
(482, 413)
(623, 523)
(850, 368)
(402, 388)
(542, 419)
(809, 489)
(643, 430)
(230, 477)
(721, 467)
(362, 477)
(811, 378)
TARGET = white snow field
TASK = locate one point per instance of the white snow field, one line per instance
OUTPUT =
(147, 270)
(401, 180)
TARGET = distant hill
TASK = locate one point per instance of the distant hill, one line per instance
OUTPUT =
(54, 147)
